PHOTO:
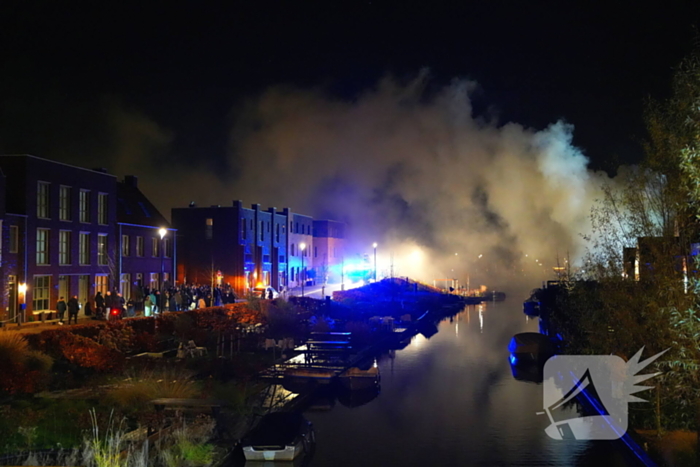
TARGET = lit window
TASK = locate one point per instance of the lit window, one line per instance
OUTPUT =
(42, 246)
(125, 245)
(139, 246)
(154, 247)
(101, 284)
(64, 253)
(41, 293)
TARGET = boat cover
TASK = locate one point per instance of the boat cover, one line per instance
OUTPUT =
(530, 342)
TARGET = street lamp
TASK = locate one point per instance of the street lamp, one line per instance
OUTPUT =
(302, 247)
(162, 231)
(342, 273)
(375, 261)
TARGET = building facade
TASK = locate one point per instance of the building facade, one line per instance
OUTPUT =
(301, 246)
(146, 242)
(60, 232)
(252, 248)
(328, 250)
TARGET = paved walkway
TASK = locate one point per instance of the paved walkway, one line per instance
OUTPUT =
(34, 327)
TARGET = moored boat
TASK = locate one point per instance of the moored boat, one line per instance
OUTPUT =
(280, 436)
(356, 378)
(530, 347)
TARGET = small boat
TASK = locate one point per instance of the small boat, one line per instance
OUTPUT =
(530, 347)
(280, 436)
(356, 378)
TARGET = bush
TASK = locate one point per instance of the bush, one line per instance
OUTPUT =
(23, 370)
(147, 385)
(188, 446)
(37, 361)
(13, 348)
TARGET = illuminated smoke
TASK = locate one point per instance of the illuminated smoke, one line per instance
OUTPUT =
(407, 165)
(419, 173)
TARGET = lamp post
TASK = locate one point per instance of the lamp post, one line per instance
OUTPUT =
(20, 315)
(375, 261)
(302, 247)
(162, 233)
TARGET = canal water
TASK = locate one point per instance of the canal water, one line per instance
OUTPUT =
(452, 400)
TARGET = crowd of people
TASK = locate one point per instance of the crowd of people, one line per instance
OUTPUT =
(149, 302)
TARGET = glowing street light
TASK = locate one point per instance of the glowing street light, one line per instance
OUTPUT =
(375, 261)
(302, 247)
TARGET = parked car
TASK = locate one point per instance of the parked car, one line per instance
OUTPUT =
(280, 436)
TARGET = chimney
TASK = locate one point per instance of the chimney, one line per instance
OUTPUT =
(131, 180)
(101, 170)
(238, 204)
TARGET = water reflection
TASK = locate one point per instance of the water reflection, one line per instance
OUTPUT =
(452, 399)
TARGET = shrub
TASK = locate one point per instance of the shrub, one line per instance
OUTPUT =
(188, 445)
(23, 370)
(147, 385)
(13, 347)
(37, 361)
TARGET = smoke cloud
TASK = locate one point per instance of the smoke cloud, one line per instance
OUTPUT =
(444, 192)
(407, 164)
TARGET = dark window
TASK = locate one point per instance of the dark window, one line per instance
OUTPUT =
(282, 259)
(64, 199)
(248, 258)
(102, 250)
(14, 239)
(125, 206)
(209, 229)
(42, 200)
(144, 209)
(102, 213)
(84, 207)
(266, 258)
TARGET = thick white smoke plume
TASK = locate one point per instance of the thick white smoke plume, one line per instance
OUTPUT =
(444, 193)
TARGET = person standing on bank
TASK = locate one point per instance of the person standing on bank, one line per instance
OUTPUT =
(61, 309)
(99, 305)
(73, 308)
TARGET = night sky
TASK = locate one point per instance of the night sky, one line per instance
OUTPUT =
(187, 66)
(268, 101)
